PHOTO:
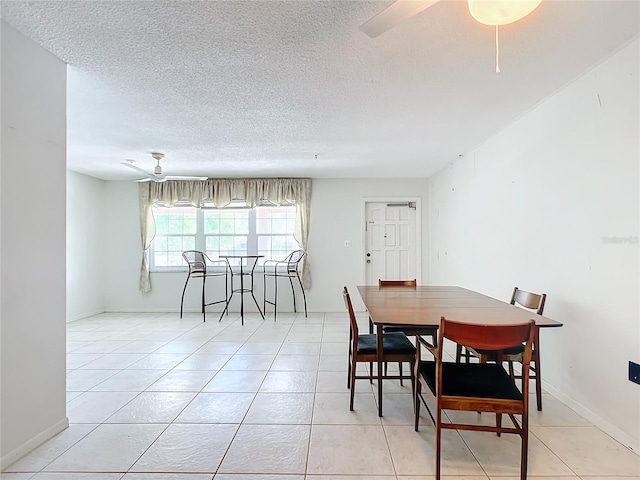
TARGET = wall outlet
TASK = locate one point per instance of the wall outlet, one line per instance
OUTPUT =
(634, 372)
(347, 244)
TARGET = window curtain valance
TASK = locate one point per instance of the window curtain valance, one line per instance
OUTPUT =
(221, 192)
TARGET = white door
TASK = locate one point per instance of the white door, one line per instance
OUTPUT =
(391, 241)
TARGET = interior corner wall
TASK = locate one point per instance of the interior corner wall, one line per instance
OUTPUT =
(85, 246)
(551, 204)
(336, 216)
(32, 252)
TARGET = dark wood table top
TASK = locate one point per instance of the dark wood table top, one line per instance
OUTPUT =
(425, 304)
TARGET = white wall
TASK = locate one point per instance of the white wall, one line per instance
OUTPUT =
(33, 244)
(336, 216)
(336, 209)
(531, 208)
(85, 246)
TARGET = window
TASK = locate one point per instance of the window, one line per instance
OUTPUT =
(175, 232)
(264, 230)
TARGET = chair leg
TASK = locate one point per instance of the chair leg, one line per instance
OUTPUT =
(184, 290)
(416, 402)
(525, 448)
(458, 353)
(264, 293)
(353, 386)
(304, 297)
(499, 422)
(400, 370)
(275, 297)
(293, 292)
(226, 293)
(438, 440)
(204, 315)
(412, 376)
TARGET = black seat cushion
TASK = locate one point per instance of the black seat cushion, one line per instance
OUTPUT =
(395, 343)
(411, 330)
(478, 380)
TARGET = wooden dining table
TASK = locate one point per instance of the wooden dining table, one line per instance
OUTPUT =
(425, 305)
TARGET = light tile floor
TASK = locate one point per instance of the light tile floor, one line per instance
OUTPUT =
(153, 397)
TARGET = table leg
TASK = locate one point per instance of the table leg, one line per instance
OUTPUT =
(536, 358)
(379, 345)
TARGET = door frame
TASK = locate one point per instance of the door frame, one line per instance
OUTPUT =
(363, 224)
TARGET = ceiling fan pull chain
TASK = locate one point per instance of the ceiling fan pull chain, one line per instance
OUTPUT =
(497, 52)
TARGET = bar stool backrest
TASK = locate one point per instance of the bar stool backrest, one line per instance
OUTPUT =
(196, 261)
(293, 260)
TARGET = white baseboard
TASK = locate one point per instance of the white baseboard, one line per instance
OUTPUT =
(611, 430)
(34, 443)
(85, 315)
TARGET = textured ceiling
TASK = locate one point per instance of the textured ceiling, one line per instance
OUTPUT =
(259, 88)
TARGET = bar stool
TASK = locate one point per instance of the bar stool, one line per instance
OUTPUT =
(199, 264)
(287, 268)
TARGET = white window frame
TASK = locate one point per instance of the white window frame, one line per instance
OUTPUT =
(200, 237)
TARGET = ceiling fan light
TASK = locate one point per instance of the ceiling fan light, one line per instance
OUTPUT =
(157, 170)
(501, 12)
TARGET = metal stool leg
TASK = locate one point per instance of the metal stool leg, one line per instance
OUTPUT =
(275, 296)
(294, 294)
(304, 297)
(264, 292)
(204, 315)
(184, 290)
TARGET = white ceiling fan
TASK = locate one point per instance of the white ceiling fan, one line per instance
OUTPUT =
(157, 175)
(487, 12)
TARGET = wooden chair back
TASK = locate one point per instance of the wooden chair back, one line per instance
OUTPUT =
(352, 316)
(397, 283)
(528, 300)
(485, 337)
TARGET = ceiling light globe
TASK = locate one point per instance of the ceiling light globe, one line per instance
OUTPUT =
(501, 12)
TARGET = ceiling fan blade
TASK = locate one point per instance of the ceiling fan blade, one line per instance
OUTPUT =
(395, 13)
(185, 177)
(150, 176)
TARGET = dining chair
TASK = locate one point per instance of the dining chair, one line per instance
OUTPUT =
(396, 347)
(408, 330)
(531, 301)
(477, 387)
(287, 268)
(199, 265)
